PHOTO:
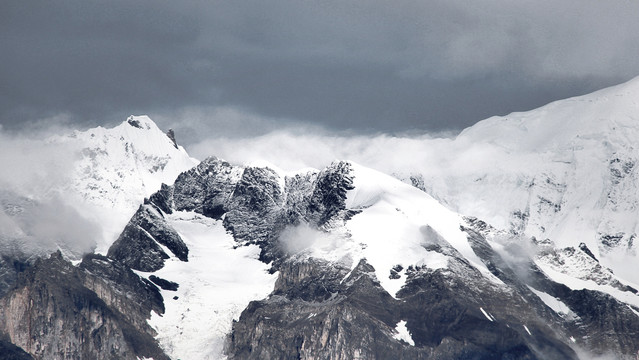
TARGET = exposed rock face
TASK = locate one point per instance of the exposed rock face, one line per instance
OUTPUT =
(354, 317)
(604, 324)
(597, 321)
(322, 309)
(163, 283)
(163, 199)
(58, 311)
(10, 267)
(110, 279)
(171, 135)
(256, 205)
(207, 188)
(12, 352)
(139, 245)
(329, 194)
(258, 202)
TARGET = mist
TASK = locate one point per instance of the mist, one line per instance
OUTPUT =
(294, 148)
(304, 238)
(39, 213)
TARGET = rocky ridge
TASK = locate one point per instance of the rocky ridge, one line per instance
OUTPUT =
(95, 310)
(365, 267)
(450, 312)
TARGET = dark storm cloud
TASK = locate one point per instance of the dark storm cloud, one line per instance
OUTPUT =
(91, 60)
(354, 65)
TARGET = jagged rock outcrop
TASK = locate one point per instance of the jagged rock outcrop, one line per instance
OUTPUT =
(255, 203)
(97, 310)
(139, 245)
(329, 193)
(163, 283)
(207, 188)
(359, 319)
(254, 206)
(171, 135)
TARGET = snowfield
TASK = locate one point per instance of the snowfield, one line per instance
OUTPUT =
(215, 286)
(394, 222)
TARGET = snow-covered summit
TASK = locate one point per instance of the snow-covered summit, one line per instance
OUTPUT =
(118, 167)
(565, 171)
(122, 165)
(609, 115)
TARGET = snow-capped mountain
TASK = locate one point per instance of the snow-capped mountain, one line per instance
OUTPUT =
(564, 172)
(246, 261)
(364, 264)
(120, 166)
(81, 195)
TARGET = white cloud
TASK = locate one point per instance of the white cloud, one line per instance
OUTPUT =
(301, 238)
(37, 212)
(296, 148)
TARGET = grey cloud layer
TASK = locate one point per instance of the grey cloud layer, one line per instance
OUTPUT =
(359, 65)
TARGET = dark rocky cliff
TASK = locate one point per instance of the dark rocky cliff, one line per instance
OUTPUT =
(322, 311)
(95, 311)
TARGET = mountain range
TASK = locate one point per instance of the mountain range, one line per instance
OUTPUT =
(520, 245)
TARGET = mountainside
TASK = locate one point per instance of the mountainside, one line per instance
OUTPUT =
(504, 253)
(95, 310)
(365, 266)
(119, 167)
(111, 172)
(564, 172)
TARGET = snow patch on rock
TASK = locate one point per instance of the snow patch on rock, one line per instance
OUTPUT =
(402, 333)
(392, 224)
(555, 304)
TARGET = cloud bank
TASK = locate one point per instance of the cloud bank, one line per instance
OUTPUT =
(362, 66)
(38, 213)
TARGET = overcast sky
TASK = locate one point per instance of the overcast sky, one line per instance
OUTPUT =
(243, 68)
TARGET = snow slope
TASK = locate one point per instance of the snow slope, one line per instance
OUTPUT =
(393, 225)
(119, 167)
(395, 222)
(566, 171)
(215, 286)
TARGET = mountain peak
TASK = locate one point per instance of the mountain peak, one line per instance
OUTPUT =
(141, 122)
(144, 122)
(610, 114)
(120, 166)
